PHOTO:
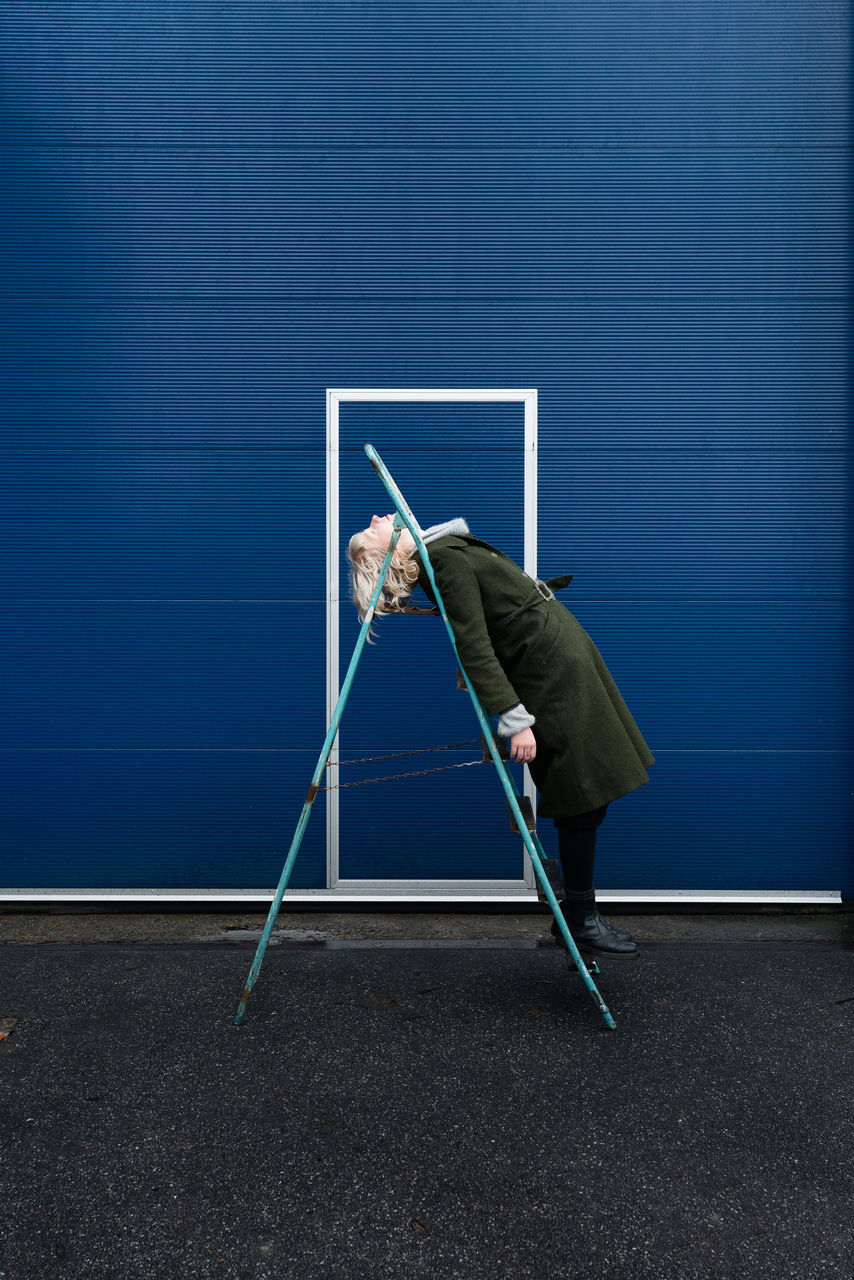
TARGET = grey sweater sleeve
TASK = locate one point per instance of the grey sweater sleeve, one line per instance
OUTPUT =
(513, 720)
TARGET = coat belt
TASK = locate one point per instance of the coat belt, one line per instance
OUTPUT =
(545, 591)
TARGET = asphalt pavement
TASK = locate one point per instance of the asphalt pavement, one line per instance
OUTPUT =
(430, 1095)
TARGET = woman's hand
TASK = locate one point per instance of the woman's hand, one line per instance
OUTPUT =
(523, 745)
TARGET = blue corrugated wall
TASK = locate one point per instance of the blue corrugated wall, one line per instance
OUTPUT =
(212, 212)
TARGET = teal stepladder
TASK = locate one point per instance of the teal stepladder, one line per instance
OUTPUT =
(404, 517)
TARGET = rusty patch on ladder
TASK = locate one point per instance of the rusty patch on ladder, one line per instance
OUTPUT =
(312, 792)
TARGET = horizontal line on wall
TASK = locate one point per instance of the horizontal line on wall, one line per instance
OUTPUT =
(327, 897)
(579, 451)
(287, 450)
(657, 751)
(182, 599)
(754, 751)
(532, 299)
(578, 598)
(420, 148)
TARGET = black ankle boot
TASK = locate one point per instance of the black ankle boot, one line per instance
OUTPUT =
(614, 928)
(590, 932)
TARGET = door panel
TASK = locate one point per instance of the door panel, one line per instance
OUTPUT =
(448, 459)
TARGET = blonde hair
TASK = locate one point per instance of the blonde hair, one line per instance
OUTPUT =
(365, 566)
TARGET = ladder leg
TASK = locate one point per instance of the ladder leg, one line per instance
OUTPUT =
(405, 515)
(592, 966)
(331, 735)
(275, 907)
(538, 854)
(572, 950)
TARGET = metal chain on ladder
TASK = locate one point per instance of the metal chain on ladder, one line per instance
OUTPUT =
(414, 773)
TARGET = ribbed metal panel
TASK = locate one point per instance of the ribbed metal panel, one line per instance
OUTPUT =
(176, 819)
(621, 224)
(429, 73)
(688, 523)
(213, 212)
(123, 523)
(723, 820)
(211, 373)
(140, 675)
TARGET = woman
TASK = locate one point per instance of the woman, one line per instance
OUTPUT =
(533, 665)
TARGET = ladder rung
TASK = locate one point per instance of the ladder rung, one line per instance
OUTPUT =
(527, 813)
(551, 866)
(501, 744)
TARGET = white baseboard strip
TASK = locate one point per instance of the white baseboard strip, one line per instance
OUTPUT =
(329, 899)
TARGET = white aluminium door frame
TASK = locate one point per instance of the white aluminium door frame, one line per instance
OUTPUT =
(335, 397)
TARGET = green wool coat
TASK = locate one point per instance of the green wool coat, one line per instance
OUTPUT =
(517, 646)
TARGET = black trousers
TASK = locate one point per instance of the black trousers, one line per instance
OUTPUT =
(576, 842)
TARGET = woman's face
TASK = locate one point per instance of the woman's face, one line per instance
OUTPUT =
(378, 533)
